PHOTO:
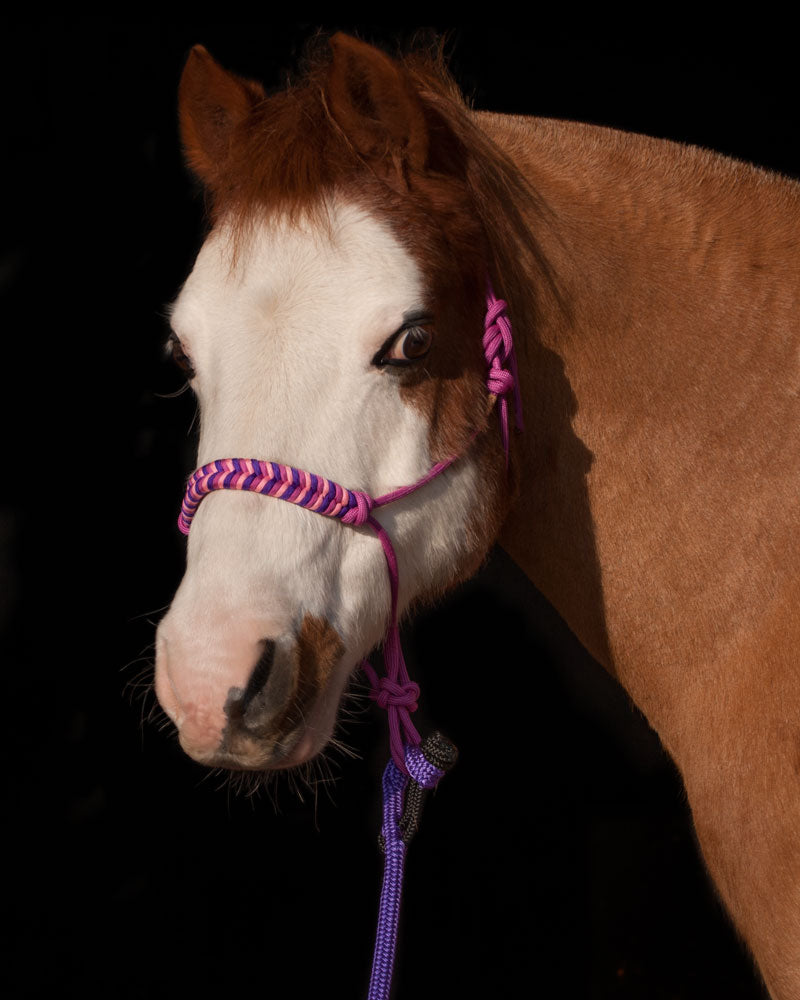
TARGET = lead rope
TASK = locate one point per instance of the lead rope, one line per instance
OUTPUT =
(415, 765)
(402, 802)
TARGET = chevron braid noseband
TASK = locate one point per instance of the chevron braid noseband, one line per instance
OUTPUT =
(415, 765)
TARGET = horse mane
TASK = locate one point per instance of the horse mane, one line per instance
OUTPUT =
(505, 202)
(290, 150)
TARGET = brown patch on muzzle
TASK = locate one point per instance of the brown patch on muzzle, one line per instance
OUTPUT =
(265, 726)
(317, 652)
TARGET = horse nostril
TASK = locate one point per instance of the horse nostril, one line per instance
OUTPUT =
(260, 674)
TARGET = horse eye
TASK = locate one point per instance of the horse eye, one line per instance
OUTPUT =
(411, 344)
(180, 357)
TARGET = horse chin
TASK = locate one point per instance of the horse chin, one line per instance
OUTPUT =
(250, 754)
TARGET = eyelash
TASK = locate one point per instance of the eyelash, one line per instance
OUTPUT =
(382, 358)
(180, 357)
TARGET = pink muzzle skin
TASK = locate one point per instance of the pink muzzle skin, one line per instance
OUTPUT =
(395, 692)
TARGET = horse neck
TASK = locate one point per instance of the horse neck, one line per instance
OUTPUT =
(629, 381)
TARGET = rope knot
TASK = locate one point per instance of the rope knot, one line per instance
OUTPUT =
(390, 694)
(498, 347)
(494, 308)
(359, 514)
(499, 381)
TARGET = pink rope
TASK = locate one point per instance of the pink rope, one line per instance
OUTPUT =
(395, 692)
(498, 347)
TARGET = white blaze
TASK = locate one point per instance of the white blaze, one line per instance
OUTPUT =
(282, 336)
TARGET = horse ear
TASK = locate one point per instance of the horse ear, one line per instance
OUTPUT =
(374, 102)
(211, 103)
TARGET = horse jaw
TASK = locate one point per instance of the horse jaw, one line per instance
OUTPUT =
(282, 334)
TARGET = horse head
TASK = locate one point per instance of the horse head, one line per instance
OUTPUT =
(333, 321)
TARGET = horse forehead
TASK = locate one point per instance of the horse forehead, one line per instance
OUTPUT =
(303, 275)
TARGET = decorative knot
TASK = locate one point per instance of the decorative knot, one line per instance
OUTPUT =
(499, 381)
(359, 514)
(494, 308)
(498, 347)
(390, 694)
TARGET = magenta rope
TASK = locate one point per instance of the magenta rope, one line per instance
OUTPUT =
(498, 346)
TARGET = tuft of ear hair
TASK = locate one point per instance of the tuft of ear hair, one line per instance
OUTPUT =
(375, 103)
(211, 103)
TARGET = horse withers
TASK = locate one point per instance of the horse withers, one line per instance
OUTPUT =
(333, 322)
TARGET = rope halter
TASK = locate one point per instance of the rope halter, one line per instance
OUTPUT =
(396, 692)
(414, 764)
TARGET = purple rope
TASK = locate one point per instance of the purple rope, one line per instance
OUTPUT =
(394, 851)
(395, 783)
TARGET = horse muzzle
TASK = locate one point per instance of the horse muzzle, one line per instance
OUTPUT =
(247, 703)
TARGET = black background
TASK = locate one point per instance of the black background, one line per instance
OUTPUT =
(559, 855)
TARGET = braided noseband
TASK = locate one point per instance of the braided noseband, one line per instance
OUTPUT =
(423, 763)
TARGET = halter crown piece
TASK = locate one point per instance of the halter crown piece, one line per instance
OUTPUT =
(415, 764)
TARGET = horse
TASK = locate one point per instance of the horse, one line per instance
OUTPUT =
(333, 321)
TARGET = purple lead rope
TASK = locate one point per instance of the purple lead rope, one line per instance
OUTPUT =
(414, 765)
(402, 800)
